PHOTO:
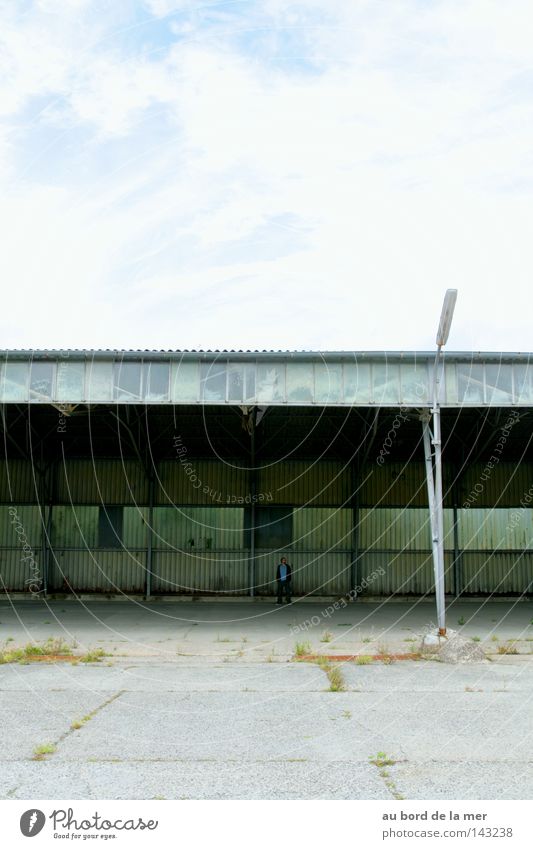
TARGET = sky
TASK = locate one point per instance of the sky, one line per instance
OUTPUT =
(308, 174)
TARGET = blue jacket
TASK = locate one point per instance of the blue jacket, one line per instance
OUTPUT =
(289, 572)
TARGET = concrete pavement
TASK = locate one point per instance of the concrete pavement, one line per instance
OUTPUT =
(143, 729)
(208, 701)
(258, 631)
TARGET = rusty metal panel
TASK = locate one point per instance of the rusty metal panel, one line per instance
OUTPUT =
(99, 571)
(198, 529)
(202, 482)
(19, 482)
(101, 482)
(205, 572)
(306, 483)
(500, 573)
(505, 485)
(401, 573)
(322, 528)
(498, 528)
(314, 573)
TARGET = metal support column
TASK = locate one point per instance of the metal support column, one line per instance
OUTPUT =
(457, 577)
(433, 460)
(354, 577)
(435, 482)
(431, 499)
(45, 500)
(149, 541)
(51, 561)
(439, 511)
(253, 486)
(47, 547)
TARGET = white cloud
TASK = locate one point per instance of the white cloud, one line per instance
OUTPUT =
(161, 8)
(392, 143)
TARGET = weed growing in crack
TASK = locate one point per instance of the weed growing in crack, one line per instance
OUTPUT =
(381, 759)
(336, 679)
(509, 649)
(302, 649)
(44, 749)
(93, 656)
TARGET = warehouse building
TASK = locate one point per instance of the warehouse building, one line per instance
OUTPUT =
(189, 473)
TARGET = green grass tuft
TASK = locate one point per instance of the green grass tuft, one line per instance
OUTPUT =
(45, 749)
(336, 680)
(302, 649)
(93, 656)
(381, 760)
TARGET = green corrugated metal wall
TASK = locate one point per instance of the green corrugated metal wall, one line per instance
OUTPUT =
(200, 545)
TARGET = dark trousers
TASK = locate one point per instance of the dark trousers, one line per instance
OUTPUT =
(284, 587)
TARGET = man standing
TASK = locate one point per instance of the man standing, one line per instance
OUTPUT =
(284, 579)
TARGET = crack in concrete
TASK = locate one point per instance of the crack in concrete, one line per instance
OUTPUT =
(71, 730)
(381, 761)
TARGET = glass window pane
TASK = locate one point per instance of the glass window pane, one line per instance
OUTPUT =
(241, 382)
(300, 382)
(15, 382)
(499, 380)
(386, 381)
(451, 395)
(110, 521)
(357, 387)
(270, 382)
(273, 527)
(213, 381)
(523, 383)
(415, 383)
(41, 378)
(236, 386)
(470, 383)
(156, 377)
(127, 381)
(249, 386)
(70, 381)
(185, 382)
(99, 381)
(328, 382)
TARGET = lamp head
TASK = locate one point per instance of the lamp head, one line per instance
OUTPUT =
(446, 316)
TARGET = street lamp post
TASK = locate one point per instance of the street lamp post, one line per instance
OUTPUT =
(434, 462)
